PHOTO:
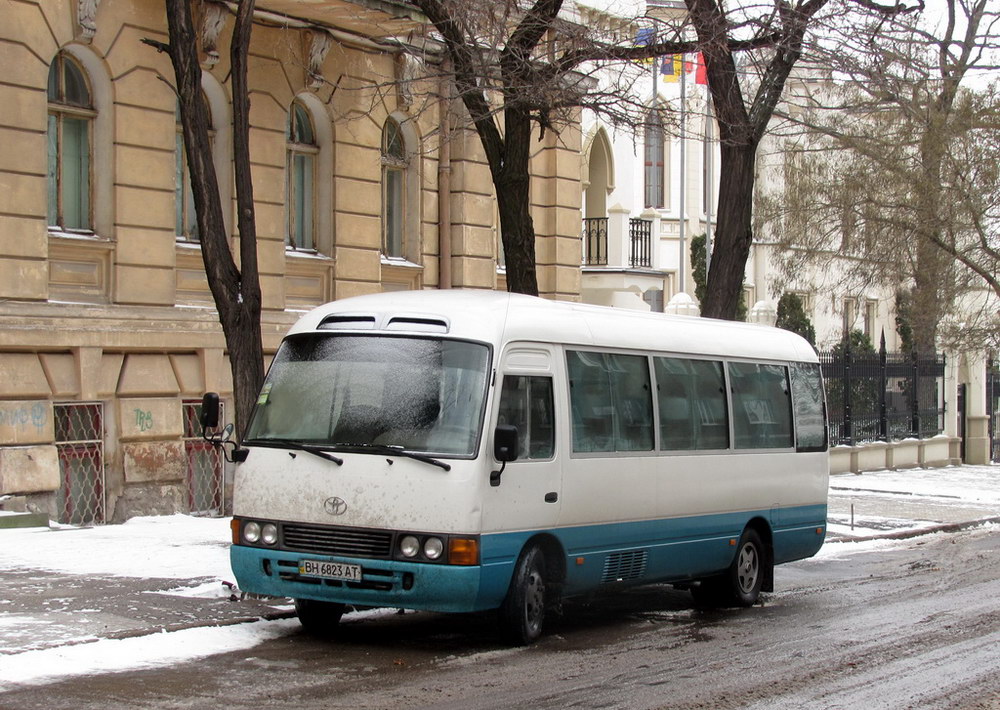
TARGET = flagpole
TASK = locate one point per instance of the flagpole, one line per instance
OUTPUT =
(682, 217)
(709, 181)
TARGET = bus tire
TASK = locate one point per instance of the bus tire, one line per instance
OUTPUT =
(319, 618)
(746, 574)
(523, 610)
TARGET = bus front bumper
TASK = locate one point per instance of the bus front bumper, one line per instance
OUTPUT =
(383, 583)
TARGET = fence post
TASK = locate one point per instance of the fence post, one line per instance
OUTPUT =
(991, 432)
(883, 380)
(847, 435)
(915, 390)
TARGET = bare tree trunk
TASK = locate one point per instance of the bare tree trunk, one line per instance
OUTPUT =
(733, 235)
(237, 295)
(512, 183)
(741, 126)
(245, 348)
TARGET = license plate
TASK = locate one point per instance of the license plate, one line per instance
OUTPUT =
(330, 570)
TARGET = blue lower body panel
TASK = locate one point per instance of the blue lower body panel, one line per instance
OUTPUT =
(385, 583)
(667, 550)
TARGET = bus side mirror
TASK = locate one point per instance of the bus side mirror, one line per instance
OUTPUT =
(505, 443)
(209, 418)
(504, 449)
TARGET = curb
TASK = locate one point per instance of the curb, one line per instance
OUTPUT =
(916, 532)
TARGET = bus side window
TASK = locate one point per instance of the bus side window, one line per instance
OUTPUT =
(691, 397)
(762, 407)
(807, 402)
(610, 402)
(633, 402)
(590, 402)
(526, 402)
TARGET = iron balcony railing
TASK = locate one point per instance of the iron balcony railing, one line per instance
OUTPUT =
(595, 240)
(640, 237)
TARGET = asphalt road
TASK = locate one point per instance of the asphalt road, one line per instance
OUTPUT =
(915, 625)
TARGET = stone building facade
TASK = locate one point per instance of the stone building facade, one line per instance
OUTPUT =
(108, 334)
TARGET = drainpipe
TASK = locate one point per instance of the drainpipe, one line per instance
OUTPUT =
(444, 181)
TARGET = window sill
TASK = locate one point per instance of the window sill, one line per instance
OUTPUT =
(81, 235)
(398, 261)
(306, 254)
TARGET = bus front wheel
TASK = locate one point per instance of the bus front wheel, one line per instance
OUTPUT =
(523, 609)
(319, 618)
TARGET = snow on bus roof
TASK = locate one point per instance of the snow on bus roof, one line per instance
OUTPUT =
(497, 317)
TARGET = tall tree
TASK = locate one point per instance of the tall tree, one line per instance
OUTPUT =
(899, 168)
(519, 66)
(516, 69)
(743, 122)
(235, 289)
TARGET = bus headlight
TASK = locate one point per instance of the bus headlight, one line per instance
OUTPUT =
(269, 534)
(251, 532)
(409, 546)
(433, 547)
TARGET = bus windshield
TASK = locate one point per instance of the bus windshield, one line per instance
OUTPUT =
(420, 394)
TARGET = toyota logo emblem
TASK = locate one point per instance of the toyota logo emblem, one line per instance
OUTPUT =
(335, 506)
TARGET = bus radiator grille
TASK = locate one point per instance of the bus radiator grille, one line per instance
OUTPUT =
(622, 566)
(337, 541)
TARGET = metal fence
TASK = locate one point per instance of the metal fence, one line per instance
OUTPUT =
(993, 406)
(883, 396)
(79, 443)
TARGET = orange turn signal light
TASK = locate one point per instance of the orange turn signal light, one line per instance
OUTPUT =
(234, 525)
(463, 551)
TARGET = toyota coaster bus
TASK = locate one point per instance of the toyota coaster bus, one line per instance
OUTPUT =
(459, 451)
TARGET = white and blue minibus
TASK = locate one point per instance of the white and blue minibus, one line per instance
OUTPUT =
(460, 451)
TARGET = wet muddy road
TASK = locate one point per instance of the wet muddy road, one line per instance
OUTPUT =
(915, 625)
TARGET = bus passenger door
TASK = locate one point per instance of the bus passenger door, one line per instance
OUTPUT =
(527, 496)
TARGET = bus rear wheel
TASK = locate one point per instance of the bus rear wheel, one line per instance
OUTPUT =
(319, 618)
(740, 585)
(746, 574)
(523, 610)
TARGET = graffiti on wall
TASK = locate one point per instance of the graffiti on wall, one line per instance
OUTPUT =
(34, 415)
(143, 419)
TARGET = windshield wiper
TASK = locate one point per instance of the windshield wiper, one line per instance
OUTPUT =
(393, 451)
(292, 444)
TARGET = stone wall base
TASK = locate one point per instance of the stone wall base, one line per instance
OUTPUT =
(909, 453)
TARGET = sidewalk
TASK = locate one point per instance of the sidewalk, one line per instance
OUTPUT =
(899, 504)
(65, 586)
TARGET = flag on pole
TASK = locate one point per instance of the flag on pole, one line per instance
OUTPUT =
(643, 38)
(700, 73)
(672, 67)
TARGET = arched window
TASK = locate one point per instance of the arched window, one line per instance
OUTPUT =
(653, 161)
(71, 115)
(186, 223)
(301, 178)
(394, 166)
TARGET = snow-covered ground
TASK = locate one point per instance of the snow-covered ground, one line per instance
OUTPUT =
(154, 650)
(175, 546)
(891, 502)
(188, 551)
